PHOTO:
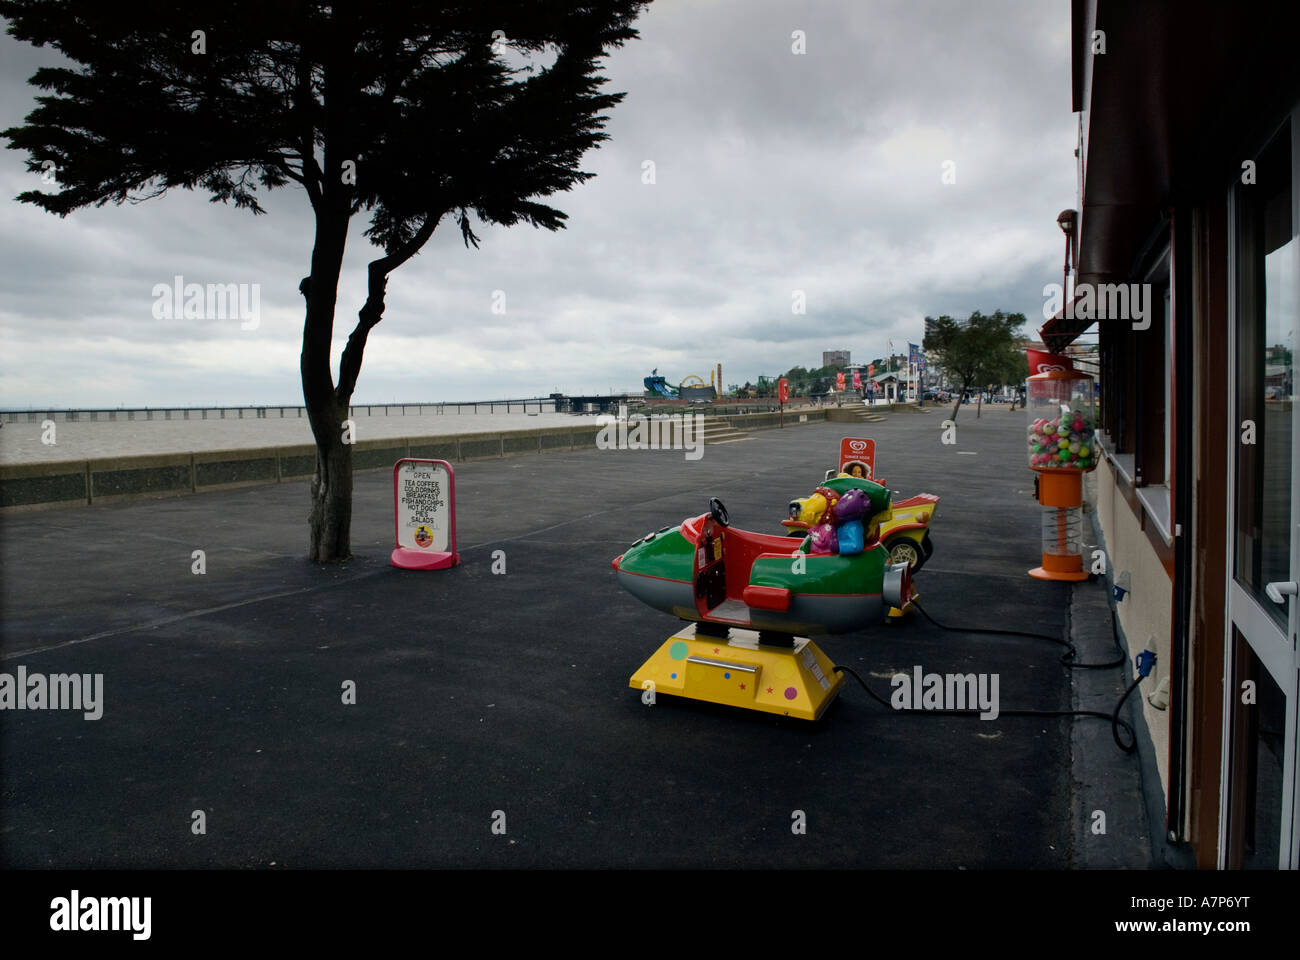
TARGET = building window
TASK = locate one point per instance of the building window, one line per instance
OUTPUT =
(1268, 290)
(1136, 359)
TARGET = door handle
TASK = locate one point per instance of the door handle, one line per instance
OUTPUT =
(1278, 590)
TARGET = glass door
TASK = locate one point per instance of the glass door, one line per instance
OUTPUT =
(1261, 692)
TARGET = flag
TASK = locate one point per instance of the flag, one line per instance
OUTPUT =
(857, 379)
(1041, 362)
(913, 353)
(839, 380)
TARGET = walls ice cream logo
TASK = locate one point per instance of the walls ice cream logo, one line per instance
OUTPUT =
(1041, 362)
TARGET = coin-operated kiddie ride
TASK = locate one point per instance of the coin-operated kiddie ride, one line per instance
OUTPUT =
(1061, 407)
(754, 600)
(905, 530)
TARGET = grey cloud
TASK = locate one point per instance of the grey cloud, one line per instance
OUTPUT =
(774, 172)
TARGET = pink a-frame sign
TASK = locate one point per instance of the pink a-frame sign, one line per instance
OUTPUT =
(424, 515)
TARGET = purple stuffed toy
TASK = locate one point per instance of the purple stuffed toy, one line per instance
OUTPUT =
(852, 506)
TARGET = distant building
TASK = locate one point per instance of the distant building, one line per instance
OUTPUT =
(835, 358)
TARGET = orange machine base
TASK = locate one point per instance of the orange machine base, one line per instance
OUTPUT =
(1042, 574)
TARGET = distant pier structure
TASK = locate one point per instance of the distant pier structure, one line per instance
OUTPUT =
(555, 403)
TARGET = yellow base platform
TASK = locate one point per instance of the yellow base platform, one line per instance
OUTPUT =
(738, 672)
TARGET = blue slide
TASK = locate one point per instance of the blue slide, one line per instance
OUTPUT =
(658, 385)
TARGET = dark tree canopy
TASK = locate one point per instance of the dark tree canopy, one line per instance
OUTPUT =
(416, 95)
(410, 110)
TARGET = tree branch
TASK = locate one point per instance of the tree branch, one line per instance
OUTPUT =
(373, 310)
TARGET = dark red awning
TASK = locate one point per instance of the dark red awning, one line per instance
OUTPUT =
(1062, 330)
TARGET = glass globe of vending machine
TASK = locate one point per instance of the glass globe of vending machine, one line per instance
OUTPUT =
(1062, 424)
(1062, 421)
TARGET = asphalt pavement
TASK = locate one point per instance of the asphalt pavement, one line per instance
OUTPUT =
(493, 724)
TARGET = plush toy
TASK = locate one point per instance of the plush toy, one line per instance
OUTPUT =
(831, 498)
(812, 510)
(823, 539)
(852, 506)
(850, 536)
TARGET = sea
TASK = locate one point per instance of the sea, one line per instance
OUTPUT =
(40, 440)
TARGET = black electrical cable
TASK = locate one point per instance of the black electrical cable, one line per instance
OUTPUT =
(1115, 721)
(1067, 658)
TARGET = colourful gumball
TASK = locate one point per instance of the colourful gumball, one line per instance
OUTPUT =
(1064, 455)
(1084, 451)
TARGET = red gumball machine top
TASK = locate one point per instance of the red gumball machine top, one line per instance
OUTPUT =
(1062, 414)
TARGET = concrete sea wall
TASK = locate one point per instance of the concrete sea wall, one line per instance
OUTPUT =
(36, 486)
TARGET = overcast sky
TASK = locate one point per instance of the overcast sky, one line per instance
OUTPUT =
(774, 172)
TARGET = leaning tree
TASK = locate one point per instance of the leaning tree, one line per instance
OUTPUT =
(416, 112)
(976, 352)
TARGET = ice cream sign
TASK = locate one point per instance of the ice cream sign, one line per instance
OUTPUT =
(859, 452)
(424, 511)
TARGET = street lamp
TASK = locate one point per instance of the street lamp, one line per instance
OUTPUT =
(1067, 220)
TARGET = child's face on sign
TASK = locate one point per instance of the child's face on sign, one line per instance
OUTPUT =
(857, 471)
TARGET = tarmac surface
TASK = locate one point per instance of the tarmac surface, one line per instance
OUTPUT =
(482, 694)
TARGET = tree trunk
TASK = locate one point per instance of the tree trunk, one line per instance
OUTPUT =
(961, 395)
(330, 517)
(331, 491)
(331, 487)
(978, 400)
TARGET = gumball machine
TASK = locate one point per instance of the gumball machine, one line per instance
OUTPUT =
(1062, 415)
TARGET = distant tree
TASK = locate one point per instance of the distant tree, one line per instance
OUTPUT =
(408, 109)
(1016, 370)
(979, 352)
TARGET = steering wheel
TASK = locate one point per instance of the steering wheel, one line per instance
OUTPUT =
(718, 511)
